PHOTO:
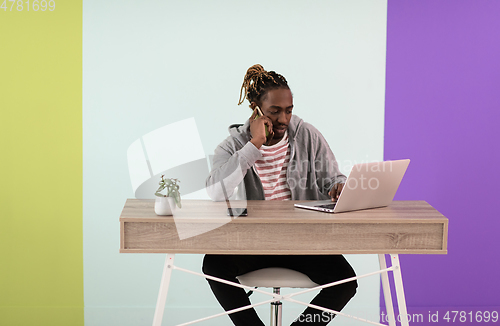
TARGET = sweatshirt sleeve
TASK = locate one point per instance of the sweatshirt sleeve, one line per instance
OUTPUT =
(322, 160)
(229, 168)
(330, 173)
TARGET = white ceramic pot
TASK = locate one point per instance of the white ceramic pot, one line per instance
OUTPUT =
(165, 206)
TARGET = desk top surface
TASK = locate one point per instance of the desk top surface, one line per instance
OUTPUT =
(277, 227)
(259, 211)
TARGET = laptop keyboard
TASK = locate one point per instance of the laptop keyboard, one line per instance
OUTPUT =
(329, 206)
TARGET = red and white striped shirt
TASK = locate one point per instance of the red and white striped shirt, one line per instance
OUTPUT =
(272, 170)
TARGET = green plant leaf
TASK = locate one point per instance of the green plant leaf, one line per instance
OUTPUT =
(172, 189)
(178, 199)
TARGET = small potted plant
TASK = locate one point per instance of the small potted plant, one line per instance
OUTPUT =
(168, 203)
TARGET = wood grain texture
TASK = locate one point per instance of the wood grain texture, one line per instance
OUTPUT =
(277, 227)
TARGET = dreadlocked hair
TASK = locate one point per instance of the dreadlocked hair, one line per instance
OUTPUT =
(258, 82)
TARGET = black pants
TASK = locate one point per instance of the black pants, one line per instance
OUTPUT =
(320, 269)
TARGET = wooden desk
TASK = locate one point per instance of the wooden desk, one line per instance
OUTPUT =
(277, 227)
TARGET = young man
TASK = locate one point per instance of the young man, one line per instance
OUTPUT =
(276, 156)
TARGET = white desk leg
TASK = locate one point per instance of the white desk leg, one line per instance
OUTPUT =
(162, 295)
(398, 283)
(387, 291)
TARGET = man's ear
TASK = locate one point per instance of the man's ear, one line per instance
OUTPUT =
(253, 105)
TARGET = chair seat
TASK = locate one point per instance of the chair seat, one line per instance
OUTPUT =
(274, 277)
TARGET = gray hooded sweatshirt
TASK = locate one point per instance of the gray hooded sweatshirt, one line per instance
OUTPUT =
(311, 173)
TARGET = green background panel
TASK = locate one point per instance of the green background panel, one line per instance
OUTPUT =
(41, 270)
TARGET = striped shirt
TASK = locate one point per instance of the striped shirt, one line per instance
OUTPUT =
(271, 169)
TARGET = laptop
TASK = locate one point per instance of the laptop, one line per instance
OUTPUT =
(369, 185)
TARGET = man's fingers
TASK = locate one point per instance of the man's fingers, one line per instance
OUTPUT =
(270, 128)
(333, 193)
(340, 186)
(254, 114)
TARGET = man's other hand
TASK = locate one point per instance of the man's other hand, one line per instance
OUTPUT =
(336, 190)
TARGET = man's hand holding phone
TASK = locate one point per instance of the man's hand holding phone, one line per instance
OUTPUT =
(261, 128)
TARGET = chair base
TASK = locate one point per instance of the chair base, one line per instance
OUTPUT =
(276, 278)
(276, 310)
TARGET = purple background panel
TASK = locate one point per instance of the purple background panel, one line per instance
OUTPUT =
(443, 113)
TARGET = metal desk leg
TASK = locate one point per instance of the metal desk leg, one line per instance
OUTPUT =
(400, 294)
(387, 291)
(162, 295)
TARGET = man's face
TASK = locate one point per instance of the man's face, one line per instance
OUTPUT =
(277, 106)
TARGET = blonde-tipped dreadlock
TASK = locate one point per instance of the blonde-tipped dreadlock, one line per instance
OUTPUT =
(258, 82)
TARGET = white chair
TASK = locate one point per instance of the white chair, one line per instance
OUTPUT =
(276, 278)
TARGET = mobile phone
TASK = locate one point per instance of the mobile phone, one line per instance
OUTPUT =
(260, 114)
(237, 212)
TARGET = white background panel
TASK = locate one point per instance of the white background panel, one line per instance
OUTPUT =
(147, 64)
